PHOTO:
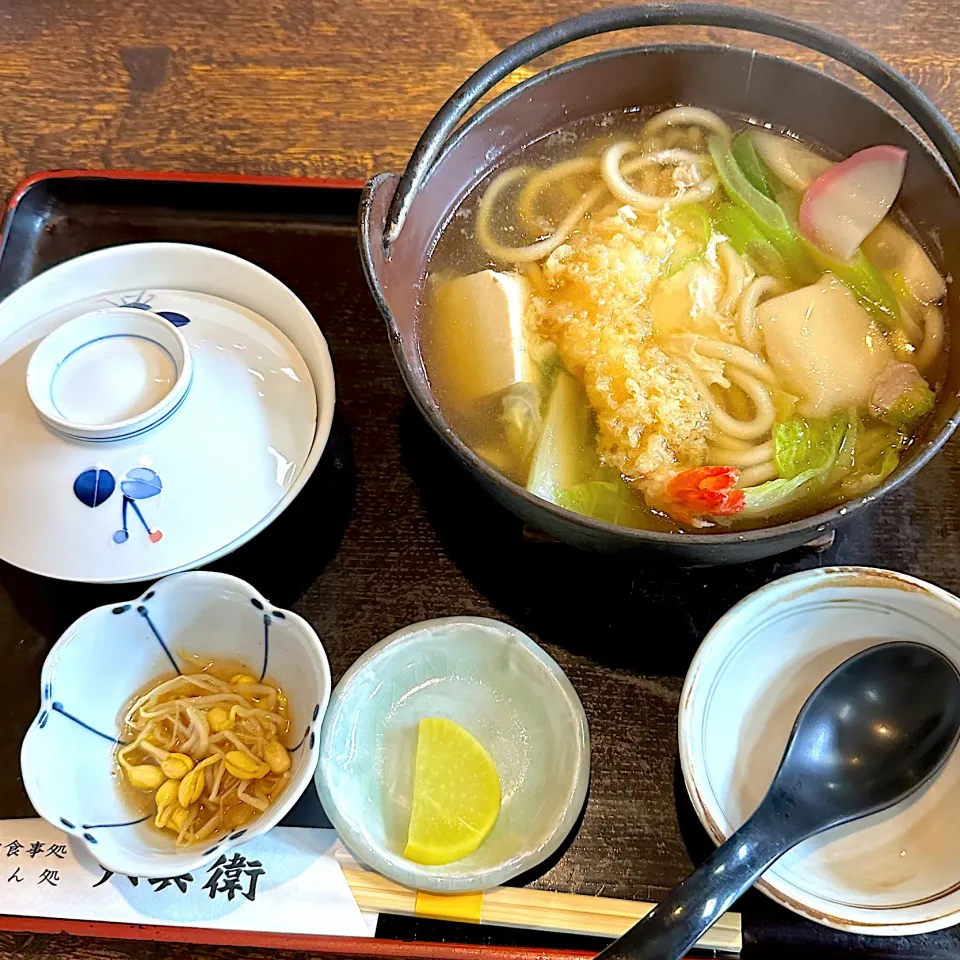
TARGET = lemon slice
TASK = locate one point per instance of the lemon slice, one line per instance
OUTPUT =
(456, 794)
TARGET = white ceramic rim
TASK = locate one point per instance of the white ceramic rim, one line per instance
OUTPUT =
(420, 877)
(277, 811)
(48, 357)
(324, 385)
(708, 810)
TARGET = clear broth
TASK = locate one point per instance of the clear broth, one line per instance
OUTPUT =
(457, 253)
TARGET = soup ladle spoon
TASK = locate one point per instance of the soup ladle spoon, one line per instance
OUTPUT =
(872, 733)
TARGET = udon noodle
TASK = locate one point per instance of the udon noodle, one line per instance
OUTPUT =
(207, 750)
(732, 371)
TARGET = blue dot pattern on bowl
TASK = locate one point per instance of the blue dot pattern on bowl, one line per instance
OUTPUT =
(142, 610)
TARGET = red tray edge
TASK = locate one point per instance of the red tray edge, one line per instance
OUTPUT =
(241, 178)
(342, 946)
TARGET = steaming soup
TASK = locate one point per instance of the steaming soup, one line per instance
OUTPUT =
(672, 324)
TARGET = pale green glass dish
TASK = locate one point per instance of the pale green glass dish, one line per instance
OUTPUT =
(504, 689)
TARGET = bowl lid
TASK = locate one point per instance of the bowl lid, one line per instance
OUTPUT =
(144, 430)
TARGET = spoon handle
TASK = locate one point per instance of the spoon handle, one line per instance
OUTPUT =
(688, 911)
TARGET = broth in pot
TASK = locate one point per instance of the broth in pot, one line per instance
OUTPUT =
(684, 323)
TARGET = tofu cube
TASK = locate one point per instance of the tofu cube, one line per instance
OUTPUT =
(478, 345)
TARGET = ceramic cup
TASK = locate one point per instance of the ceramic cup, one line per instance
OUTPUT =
(109, 374)
(891, 874)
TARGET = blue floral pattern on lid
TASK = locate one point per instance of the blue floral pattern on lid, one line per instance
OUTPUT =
(96, 485)
(142, 302)
(141, 483)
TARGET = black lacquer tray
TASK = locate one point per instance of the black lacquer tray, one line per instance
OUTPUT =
(390, 531)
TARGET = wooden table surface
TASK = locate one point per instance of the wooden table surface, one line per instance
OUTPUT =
(332, 88)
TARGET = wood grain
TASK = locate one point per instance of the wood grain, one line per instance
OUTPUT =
(344, 88)
(317, 87)
(526, 908)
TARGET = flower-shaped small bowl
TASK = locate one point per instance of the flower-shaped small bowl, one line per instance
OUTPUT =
(109, 654)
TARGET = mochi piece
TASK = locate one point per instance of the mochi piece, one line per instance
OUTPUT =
(478, 341)
(824, 346)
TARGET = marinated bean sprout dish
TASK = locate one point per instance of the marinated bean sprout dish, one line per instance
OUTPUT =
(204, 752)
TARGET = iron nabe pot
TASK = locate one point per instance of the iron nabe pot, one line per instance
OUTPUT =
(401, 217)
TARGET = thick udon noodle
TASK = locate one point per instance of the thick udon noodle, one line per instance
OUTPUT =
(612, 172)
(209, 750)
(732, 375)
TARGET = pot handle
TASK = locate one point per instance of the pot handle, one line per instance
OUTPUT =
(437, 133)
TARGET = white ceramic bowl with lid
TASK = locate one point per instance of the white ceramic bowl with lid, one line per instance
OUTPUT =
(103, 408)
(891, 874)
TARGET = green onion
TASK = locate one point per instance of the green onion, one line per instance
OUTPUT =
(766, 214)
(747, 239)
(866, 282)
(745, 154)
(692, 223)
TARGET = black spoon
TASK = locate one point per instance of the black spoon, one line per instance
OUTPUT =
(874, 731)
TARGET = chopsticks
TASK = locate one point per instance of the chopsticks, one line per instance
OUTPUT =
(525, 908)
